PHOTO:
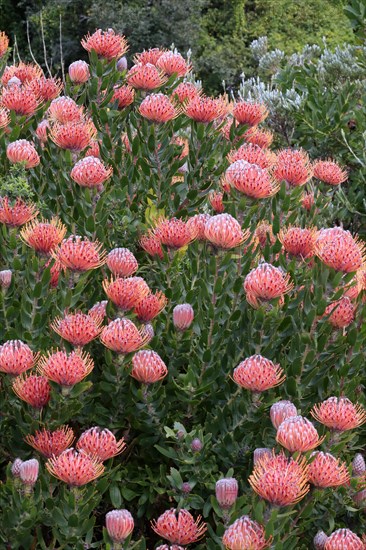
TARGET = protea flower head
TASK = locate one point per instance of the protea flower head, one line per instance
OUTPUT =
(298, 434)
(179, 527)
(226, 490)
(90, 172)
(16, 357)
(17, 213)
(77, 328)
(119, 525)
(4, 43)
(258, 374)
(330, 172)
(79, 72)
(319, 540)
(151, 243)
(46, 88)
(145, 76)
(341, 312)
(250, 113)
(150, 306)
(298, 242)
(259, 136)
(259, 453)
(148, 367)
(149, 56)
(293, 166)
(253, 154)
(343, 539)
(340, 250)
(28, 472)
(264, 234)
(24, 72)
(74, 136)
(158, 108)
(42, 131)
(4, 118)
(216, 200)
(93, 149)
(174, 233)
(121, 262)
(126, 293)
(20, 99)
(205, 109)
(24, 151)
(79, 254)
(280, 411)
(64, 109)
(196, 445)
(74, 468)
(100, 444)
(266, 282)
(358, 465)
(107, 44)
(122, 64)
(251, 180)
(5, 278)
(186, 91)
(34, 390)
(43, 236)
(15, 467)
(65, 369)
(173, 63)
(122, 336)
(55, 271)
(327, 471)
(197, 225)
(183, 315)
(99, 309)
(50, 443)
(124, 95)
(245, 533)
(308, 201)
(224, 231)
(339, 414)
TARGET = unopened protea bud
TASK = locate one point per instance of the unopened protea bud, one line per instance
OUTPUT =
(183, 316)
(122, 64)
(28, 473)
(259, 453)
(319, 540)
(196, 445)
(359, 499)
(180, 434)
(5, 278)
(15, 467)
(226, 492)
(119, 524)
(186, 487)
(358, 465)
(280, 411)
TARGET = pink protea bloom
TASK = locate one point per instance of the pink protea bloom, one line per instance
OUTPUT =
(216, 200)
(298, 434)
(16, 214)
(99, 310)
(5, 278)
(121, 262)
(4, 43)
(21, 100)
(298, 242)
(308, 201)
(249, 113)
(4, 118)
(149, 56)
(15, 467)
(42, 131)
(226, 491)
(196, 445)
(28, 472)
(245, 533)
(65, 369)
(205, 109)
(293, 166)
(264, 234)
(126, 293)
(100, 444)
(122, 336)
(79, 72)
(106, 44)
(339, 414)
(266, 282)
(34, 390)
(119, 525)
(319, 540)
(341, 312)
(124, 95)
(253, 154)
(64, 109)
(259, 453)
(343, 539)
(197, 225)
(280, 411)
(158, 108)
(77, 328)
(338, 249)
(280, 480)
(358, 465)
(186, 91)
(173, 63)
(150, 306)
(151, 243)
(80, 254)
(74, 136)
(74, 468)
(148, 367)
(179, 527)
(16, 357)
(43, 236)
(55, 271)
(93, 149)
(259, 136)
(258, 374)
(174, 233)
(251, 180)
(25, 72)
(330, 172)
(22, 150)
(145, 76)
(50, 443)
(90, 172)
(327, 471)
(46, 88)
(183, 316)
(225, 232)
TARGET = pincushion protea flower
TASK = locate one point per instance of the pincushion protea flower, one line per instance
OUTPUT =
(119, 525)
(297, 433)
(4, 43)
(245, 533)
(280, 411)
(259, 136)
(16, 214)
(22, 150)
(158, 108)
(42, 131)
(330, 172)
(298, 242)
(216, 200)
(145, 77)
(253, 154)
(293, 166)
(150, 306)
(90, 172)
(264, 234)
(358, 465)
(258, 374)
(126, 293)
(124, 95)
(74, 136)
(51, 443)
(205, 109)
(99, 309)
(25, 72)
(266, 282)
(151, 243)
(341, 312)
(28, 473)
(43, 236)
(74, 468)
(327, 471)
(308, 201)
(198, 223)
(225, 232)
(64, 109)
(65, 369)
(79, 72)
(251, 180)
(16, 357)
(343, 539)
(179, 527)
(148, 367)
(249, 113)
(340, 250)
(339, 413)
(79, 254)
(183, 315)
(4, 118)
(121, 262)
(149, 56)
(280, 480)
(106, 44)
(100, 444)
(46, 88)
(34, 390)
(122, 336)
(226, 490)
(77, 328)
(173, 63)
(5, 278)
(185, 91)
(21, 100)
(174, 233)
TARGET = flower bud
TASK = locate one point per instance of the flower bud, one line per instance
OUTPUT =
(15, 467)
(5, 278)
(196, 445)
(358, 465)
(79, 72)
(14, 81)
(180, 434)
(28, 473)
(280, 411)
(122, 64)
(119, 524)
(226, 492)
(260, 453)
(186, 487)
(360, 498)
(183, 316)
(319, 540)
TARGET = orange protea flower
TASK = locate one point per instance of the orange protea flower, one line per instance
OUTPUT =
(327, 471)
(21, 100)
(126, 293)
(16, 357)
(197, 225)
(330, 172)
(308, 201)
(245, 533)
(298, 242)
(343, 539)
(338, 249)
(258, 374)
(150, 306)
(205, 109)
(293, 166)
(339, 414)
(148, 367)
(122, 262)
(74, 468)
(216, 200)
(79, 72)
(25, 72)
(149, 56)
(77, 328)
(17, 214)
(224, 231)
(22, 150)
(42, 131)
(252, 154)
(249, 113)
(46, 88)
(124, 95)
(65, 369)
(152, 244)
(106, 44)
(122, 336)
(174, 233)
(51, 443)
(258, 136)
(280, 480)
(4, 43)
(280, 411)
(34, 390)
(101, 444)
(264, 233)
(145, 77)
(186, 91)
(341, 312)
(158, 108)
(80, 254)
(64, 109)
(74, 136)
(173, 63)
(90, 172)
(179, 527)
(266, 282)
(250, 179)
(43, 236)
(297, 433)
(4, 118)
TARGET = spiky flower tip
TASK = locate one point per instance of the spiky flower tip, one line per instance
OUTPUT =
(24, 151)
(179, 527)
(340, 313)
(34, 390)
(145, 77)
(254, 155)
(16, 357)
(122, 336)
(298, 242)
(226, 490)
(74, 136)
(343, 539)
(174, 233)
(258, 374)
(319, 540)
(17, 213)
(327, 471)
(119, 525)
(74, 468)
(330, 172)
(79, 72)
(339, 414)
(100, 444)
(28, 472)
(77, 328)
(293, 166)
(149, 56)
(151, 243)
(280, 480)
(65, 369)
(280, 411)
(197, 225)
(90, 172)
(4, 43)
(158, 108)
(148, 367)
(266, 282)
(79, 254)
(43, 236)
(259, 136)
(337, 248)
(251, 180)
(173, 63)
(50, 443)
(245, 533)
(216, 200)
(205, 109)
(124, 96)
(298, 434)
(186, 91)
(5, 278)
(249, 113)
(46, 88)
(121, 262)
(150, 306)
(21, 100)
(126, 293)
(107, 44)
(224, 231)
(183, 315)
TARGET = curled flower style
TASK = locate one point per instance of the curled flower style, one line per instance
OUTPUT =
(43, 236)
(151, 243)
(51, 443)
(338, 249)
(327, 471)
(119, 525)
(197, 225)
(205, 109)
(266, 282)
(297, 433)
(80, 254)
(339, 414)
(74, 468)
(106, 44)
(250, 113)
(253, 154)
(225, 232)
(280, 411)
(64, 109)
(158, 108)
(16, 214)
(22, 150)
(298, 242)
(179, 527)
(251, 180)
(24, 72)
(330, 172)
(34, 390)
(186, 91)
(122, 336)
(21, 100)
(121, 262)
(173, 63)
(46, 88)
(244, 534)
(293, 166)
(124, 95)
(126, 293)
(65, 369)
(74, 136)
(149, 56)
(4, 43)
(100, 444)
(340, 313)
(174, 233)
(150, 306)
(90, 172)
(77, 328)
(344, 539)
(16, 357)
(259, 136)
(148, 367)
(79, 72)
(145, 76)
(258, 374)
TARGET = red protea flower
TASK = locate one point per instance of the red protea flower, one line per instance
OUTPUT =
(148, 367)
(126, 293)
(329, 172)
(253, 154)
(122, 336)
(80, 254)
(341, 312)
(251, 180)
(119, 525)
(264, 234)
(149, 56)
(245, 533)
(174, 233)
(298, 242)
(308, 201)
(4, 118)
(150, 306)
(25, 72)
(179, 527)
(42, 131)
(101, 444)
(20, 99)
(74, 136)
(124, 95)
(50, 443)
(158, 108)
(99, 309)
(216, 200)
(145, 76)
(280, 411)
(77, 328)
(258, 374)
(65, 369)
(249, 113)
(258, 136)
(226, 490)
(297, 433)
(183, 315)
(90, 172)
(224, 231)
(293, 166)
(4, 43)
(43, 236)
(34, 390)
(17, 214)
(266, 282)
(152, 244)
(197, 225)
(280, 480)
(186, 91)
(46, 88)
(79, 72)
(205, 109)
(338, 249)
(64, 109)
(327, 471)
(22, 150)
(106, 44)
(343, 539)
(122, 262)
(16, 357)
(339, 414)
(173, 63)
(74, 468)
